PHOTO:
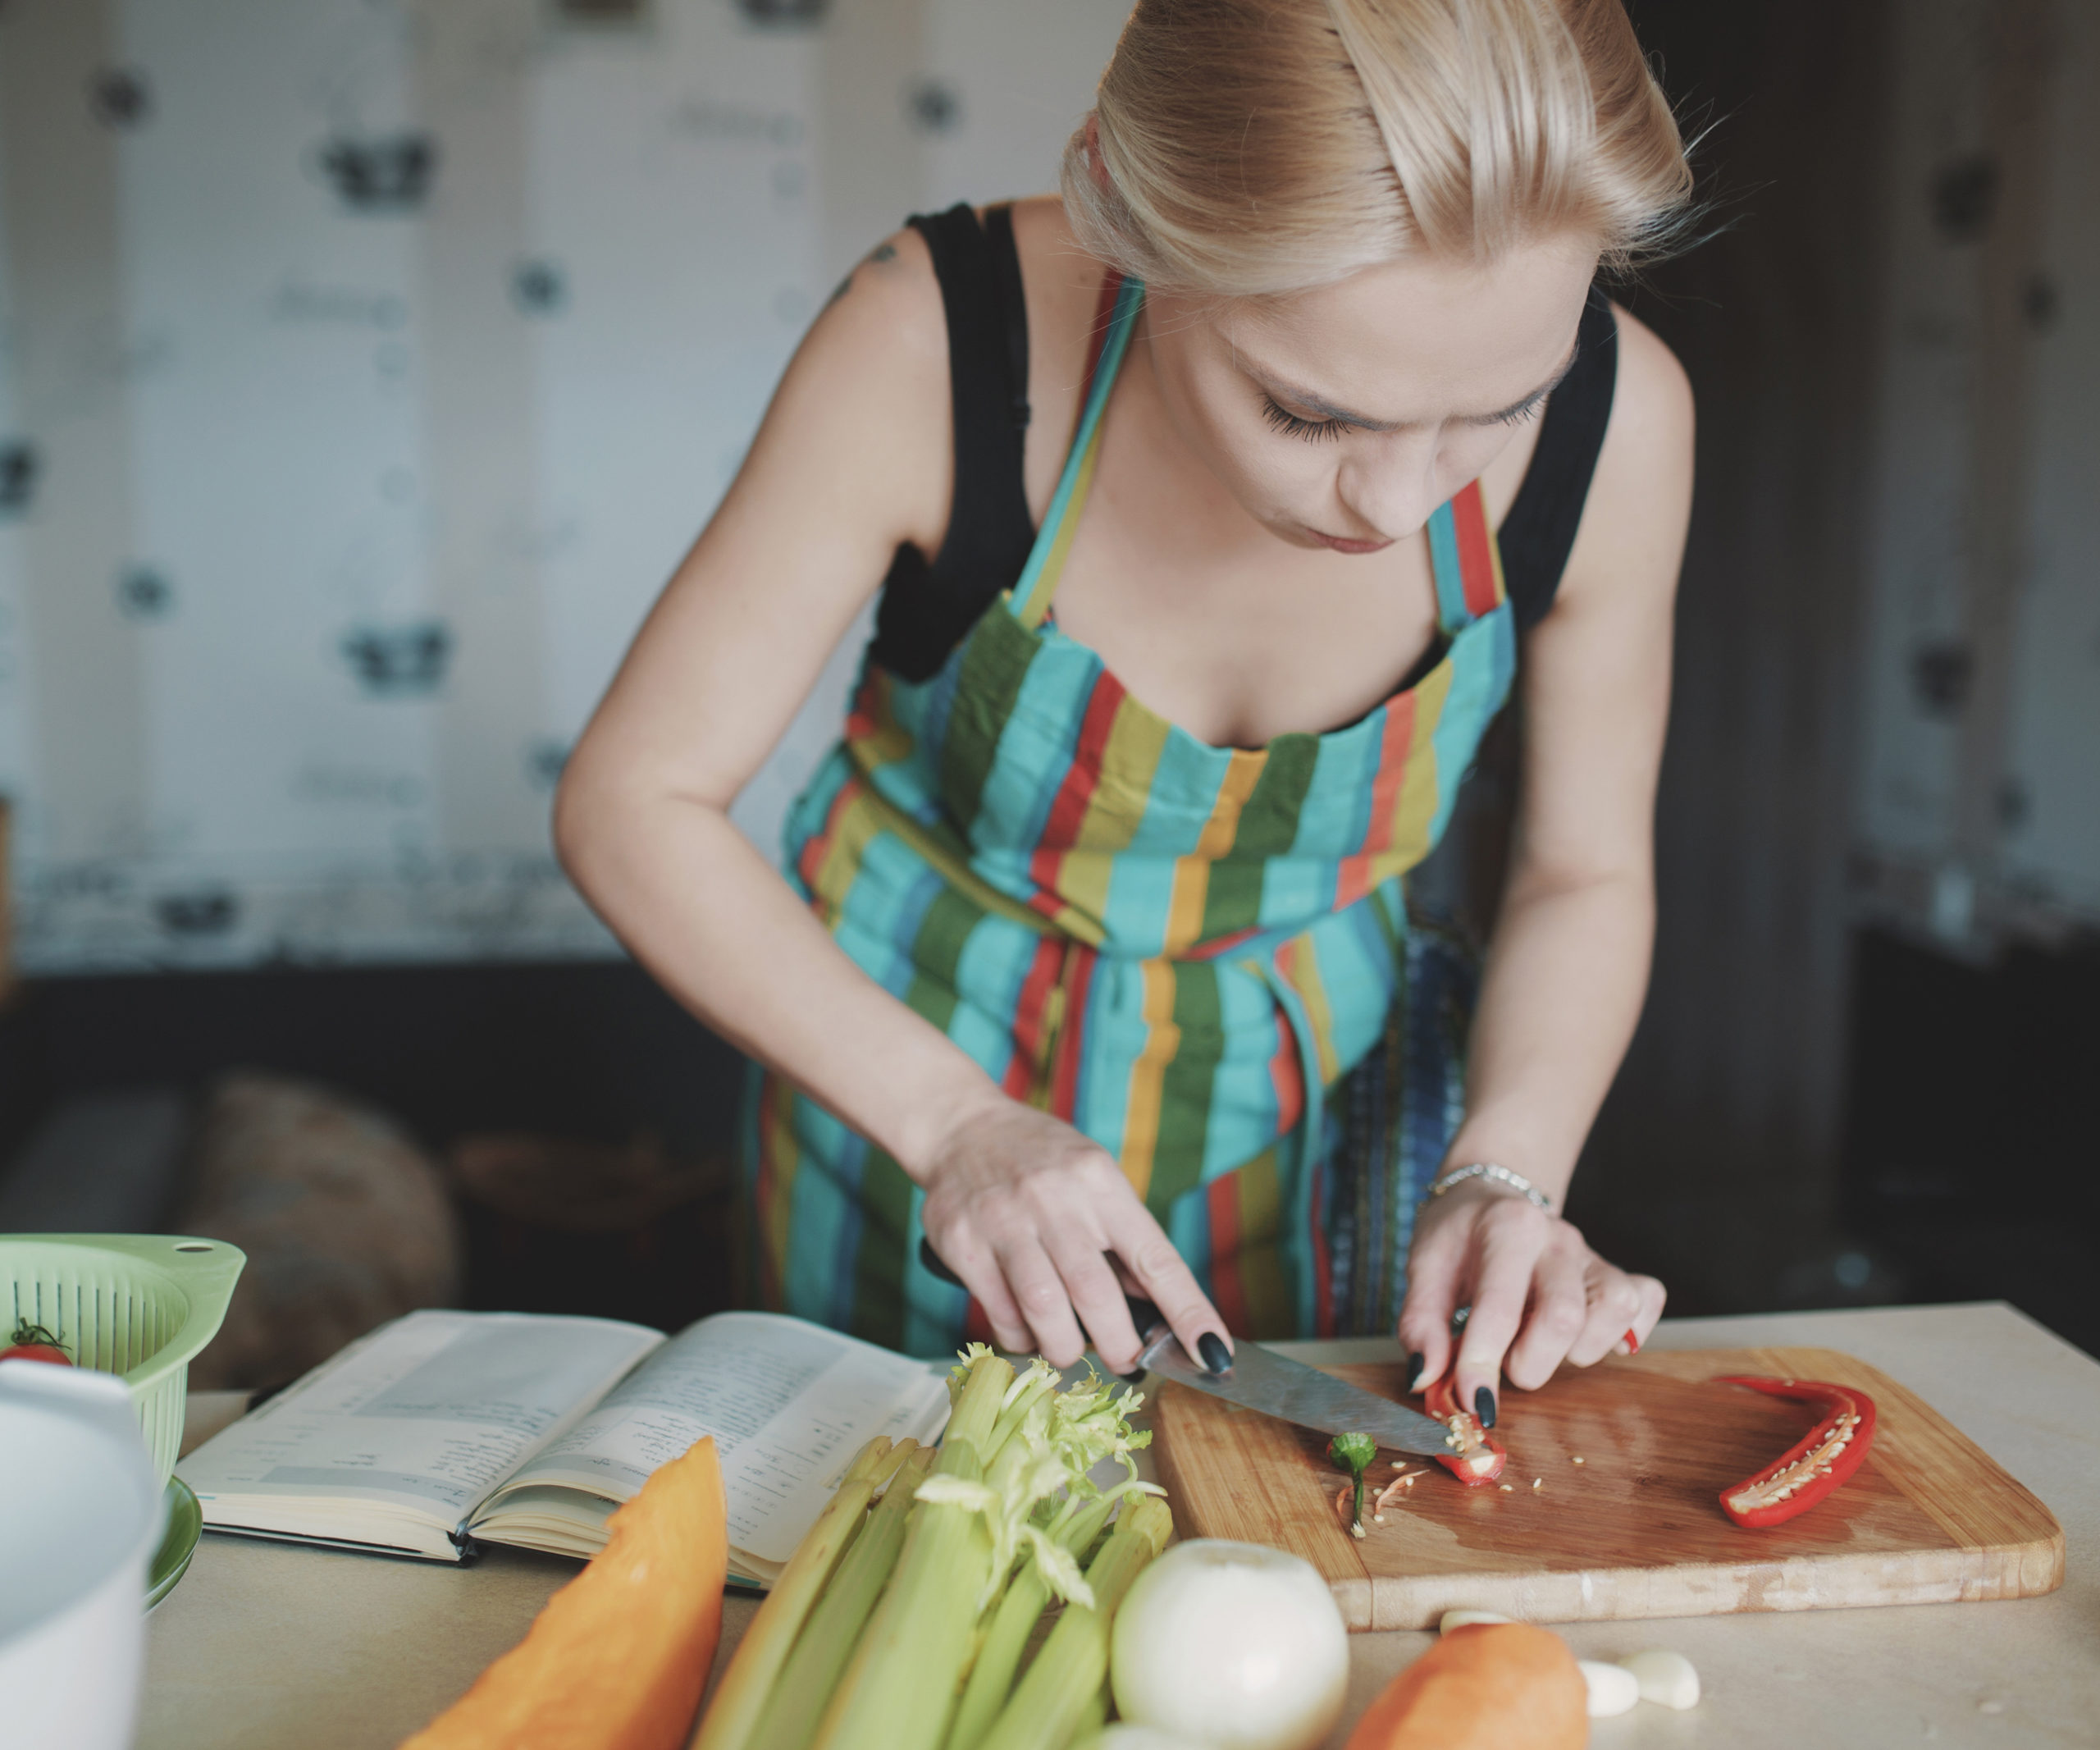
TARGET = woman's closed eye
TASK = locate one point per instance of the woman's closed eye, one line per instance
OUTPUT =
(1524, 410)
(1319, 431)
(1291, 425)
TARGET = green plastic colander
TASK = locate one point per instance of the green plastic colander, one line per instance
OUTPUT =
(138, 1305)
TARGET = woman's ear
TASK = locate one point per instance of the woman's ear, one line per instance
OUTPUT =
(1097, 166)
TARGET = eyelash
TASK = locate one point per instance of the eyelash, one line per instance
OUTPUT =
(1319, 431)
(1313, 431)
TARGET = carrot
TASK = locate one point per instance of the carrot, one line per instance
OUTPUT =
(618, 1657)
(1489, 1686)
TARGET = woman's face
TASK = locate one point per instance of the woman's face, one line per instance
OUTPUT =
(1341, 418)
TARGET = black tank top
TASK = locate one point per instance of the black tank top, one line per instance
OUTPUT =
(925, 608)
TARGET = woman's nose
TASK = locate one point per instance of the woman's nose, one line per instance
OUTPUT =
(1393, 488)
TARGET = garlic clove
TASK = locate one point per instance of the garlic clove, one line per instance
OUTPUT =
(1665, 1677)
(1613, 1688)
(1458, 1619)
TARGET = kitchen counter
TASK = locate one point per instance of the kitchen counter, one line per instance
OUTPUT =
(265, 1646)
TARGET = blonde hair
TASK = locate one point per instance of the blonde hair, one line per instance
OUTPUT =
(1249, 148)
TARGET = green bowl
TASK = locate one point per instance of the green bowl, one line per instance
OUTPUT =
(138, 1305)
(186, 1525)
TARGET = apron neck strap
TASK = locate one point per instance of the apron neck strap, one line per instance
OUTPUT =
(1030, 600)
(1468, 562)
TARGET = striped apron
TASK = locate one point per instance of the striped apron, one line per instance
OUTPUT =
(1176, 948)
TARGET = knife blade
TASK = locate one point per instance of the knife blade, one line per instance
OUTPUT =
(1260, 1379)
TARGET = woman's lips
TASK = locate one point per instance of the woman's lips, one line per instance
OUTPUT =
(1340, 546)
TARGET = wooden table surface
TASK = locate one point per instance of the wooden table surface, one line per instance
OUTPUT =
(263, 1646)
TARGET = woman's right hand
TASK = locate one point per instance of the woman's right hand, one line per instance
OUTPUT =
(1027, 1212)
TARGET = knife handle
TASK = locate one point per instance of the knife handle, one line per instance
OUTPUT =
(1143, 1314)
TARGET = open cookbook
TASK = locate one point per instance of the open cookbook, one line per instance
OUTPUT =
(444, 1429)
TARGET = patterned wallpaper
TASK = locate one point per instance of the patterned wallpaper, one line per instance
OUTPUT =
(365, 366)
(1980, 811)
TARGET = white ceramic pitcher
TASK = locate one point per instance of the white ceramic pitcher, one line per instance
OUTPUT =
(81, 1516)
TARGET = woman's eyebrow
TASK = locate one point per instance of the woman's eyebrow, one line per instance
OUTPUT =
(1537, 395)
(1320, 406)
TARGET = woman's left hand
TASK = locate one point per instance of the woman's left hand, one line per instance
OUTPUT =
(1538, 1295)
(1568, 962)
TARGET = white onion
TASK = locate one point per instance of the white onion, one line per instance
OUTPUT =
(1234, 1645)
(1124, 1737)
(1666, 1677)
(1613, 1688)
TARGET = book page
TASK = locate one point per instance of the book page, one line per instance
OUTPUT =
(426, 1415)
(788, 1404)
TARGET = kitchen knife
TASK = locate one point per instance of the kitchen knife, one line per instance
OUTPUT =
(1259, 1378)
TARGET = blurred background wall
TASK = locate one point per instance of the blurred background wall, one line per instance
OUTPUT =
(366, 365)
(1865, 1072)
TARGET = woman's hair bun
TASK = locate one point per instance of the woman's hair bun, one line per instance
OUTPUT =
(1258, 147)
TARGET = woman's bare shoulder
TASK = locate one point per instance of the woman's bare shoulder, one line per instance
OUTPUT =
(893, 289)
(1633, 523)
(869, 383)
(881, 343)
(1652, 405)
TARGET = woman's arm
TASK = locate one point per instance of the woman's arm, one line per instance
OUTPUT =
(1568, 964)
(853, 457)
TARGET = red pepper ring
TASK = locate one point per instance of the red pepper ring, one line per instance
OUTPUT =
(1814, 1465)
(1480, 1457)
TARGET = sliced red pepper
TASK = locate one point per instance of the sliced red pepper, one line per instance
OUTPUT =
(1811, 1468)
(1479, 1458)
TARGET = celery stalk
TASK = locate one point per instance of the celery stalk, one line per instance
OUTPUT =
(1050, 1704)
(901, 1687)
(977, 1406)
(1027, 1595)
(1036, 1384)
(992, 1676)
(747, 1686)
(795, 1702)
(1093, 1717)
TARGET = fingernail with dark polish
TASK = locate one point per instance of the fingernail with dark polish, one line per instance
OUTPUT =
(1484, 1406)
(1416, 1363)
(1215, 1356)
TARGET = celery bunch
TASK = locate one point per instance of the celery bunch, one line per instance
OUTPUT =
(901, 1620)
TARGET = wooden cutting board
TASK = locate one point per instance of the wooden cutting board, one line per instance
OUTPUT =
(1636, 1530)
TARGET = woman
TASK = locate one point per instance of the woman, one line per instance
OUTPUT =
(1186, 487)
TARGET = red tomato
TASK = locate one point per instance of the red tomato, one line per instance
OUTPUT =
(33, 1343)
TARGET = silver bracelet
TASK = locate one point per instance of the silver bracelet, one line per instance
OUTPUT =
(1501, 1175)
